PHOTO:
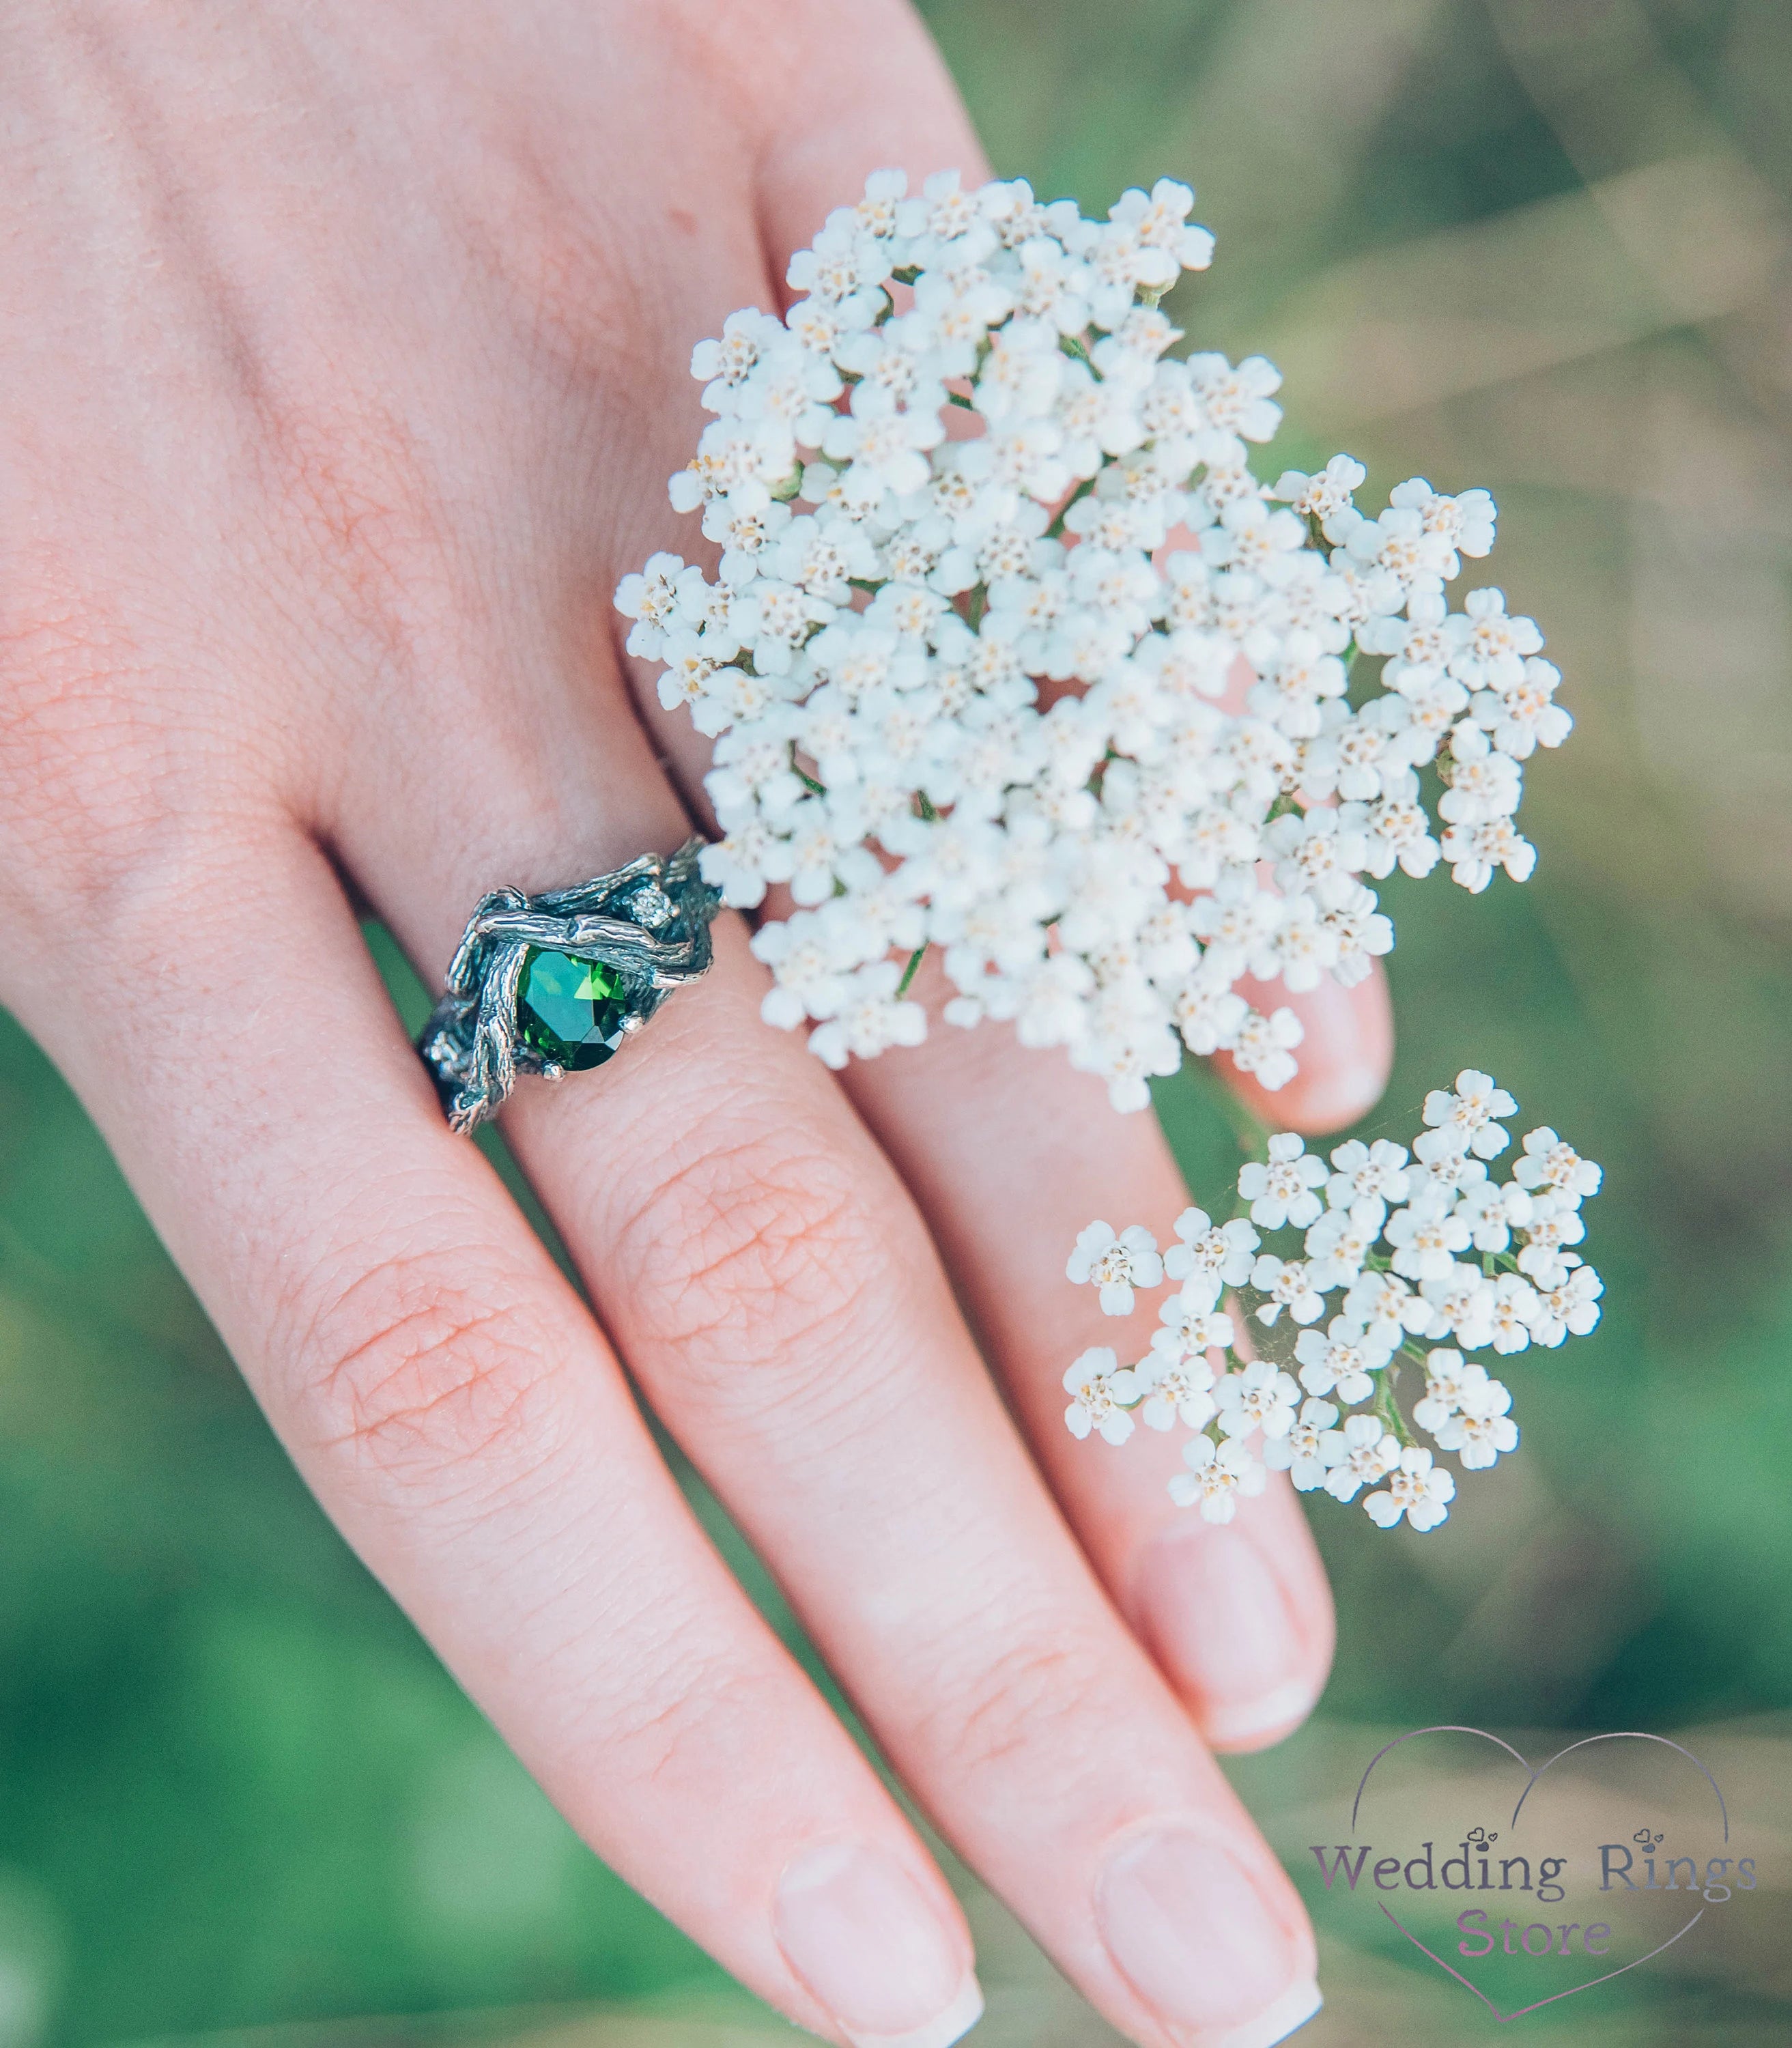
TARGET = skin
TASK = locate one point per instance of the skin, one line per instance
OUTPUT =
(343, 359)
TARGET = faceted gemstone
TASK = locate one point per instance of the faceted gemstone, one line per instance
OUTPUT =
(570, 1011)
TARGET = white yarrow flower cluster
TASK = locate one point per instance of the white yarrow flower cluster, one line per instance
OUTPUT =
(1069, 695)
(1418, 1256)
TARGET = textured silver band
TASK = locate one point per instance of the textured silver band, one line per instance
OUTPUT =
(649, 921)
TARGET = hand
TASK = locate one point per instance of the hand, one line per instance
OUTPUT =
(342, 364)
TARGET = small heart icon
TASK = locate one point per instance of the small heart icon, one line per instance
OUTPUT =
(1532, 1784)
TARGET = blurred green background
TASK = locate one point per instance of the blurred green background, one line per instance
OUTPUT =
(1542, 245)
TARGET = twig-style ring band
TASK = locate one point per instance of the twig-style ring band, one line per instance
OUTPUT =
(549, 984)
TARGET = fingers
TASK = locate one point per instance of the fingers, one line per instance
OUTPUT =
(1010, 1153)
(446, 1394)
(776, 1297)
(774, 1291)
(880, 97)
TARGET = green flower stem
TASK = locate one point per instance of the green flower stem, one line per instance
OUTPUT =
(1386, 1408)
(913, 968)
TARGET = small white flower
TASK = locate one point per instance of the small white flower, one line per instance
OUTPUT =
(1177, 1388)
(1550, 1164)
(1237, 401)
(1466, 520)
(1360, 1172)
(1524, 715)
(1101, 1390)
(1511, 1311)
(813, 978)
(1461, 1303)
(1116, 1265)
(1569, 1308)
(772, 620)
(1399, 543)
(1319, 852)
(1470, 1116)
(1208, 1258)
(1417, 1490)
(1288, 1283)
(1341, 1361)
(1476, 851)
(1363, 1451)
(1280, 1190)
(1338, 1245)
(1481, 1430)
(1553, 1225)
(1447, 1375)
(1217, 1475)
(1490, 1209)
(1259, 1396)
(1189, 1330)
(1263, 1046)
(1387, 1307)
(741, 863)
(651, 599)
(1301, 1452)
(1161, 221)
(1490, 647)
(1425, 1238)
(872, 1018)
(1324, 496)
(1442, 1170)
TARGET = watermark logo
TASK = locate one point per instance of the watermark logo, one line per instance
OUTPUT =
(1566, 1892)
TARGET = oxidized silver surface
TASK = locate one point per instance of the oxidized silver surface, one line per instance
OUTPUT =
(650, 921)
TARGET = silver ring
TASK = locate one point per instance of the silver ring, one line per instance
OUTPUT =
(554, 984)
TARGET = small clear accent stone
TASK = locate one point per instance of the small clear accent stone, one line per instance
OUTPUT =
(653, 907)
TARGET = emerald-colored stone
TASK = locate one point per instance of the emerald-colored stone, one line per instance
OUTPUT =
(570, 1011)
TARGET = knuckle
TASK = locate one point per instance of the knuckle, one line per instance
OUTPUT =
(753, 1250)
(113, 809)
(1045, 1689)
(698, 1717)
(420, 1375)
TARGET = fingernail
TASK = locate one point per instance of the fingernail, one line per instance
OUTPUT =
(860, 1932)
(1188, 1928)
(1215, 1613)
(1345, 1056)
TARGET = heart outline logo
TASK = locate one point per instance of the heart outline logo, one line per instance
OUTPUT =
(1533, 1773)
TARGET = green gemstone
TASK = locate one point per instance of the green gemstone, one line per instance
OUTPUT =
(570, 1012)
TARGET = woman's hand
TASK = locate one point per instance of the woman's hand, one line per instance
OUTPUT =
(343, 359)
